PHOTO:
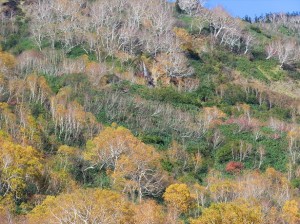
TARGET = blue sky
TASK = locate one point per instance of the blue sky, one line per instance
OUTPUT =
(255, 7)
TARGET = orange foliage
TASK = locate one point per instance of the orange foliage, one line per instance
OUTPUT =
(234, 167)
(7, 62)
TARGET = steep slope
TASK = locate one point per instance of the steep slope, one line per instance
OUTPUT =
(156, 112)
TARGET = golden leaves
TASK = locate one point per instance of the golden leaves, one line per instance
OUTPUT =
(237, 212)
(133, 166)
(83, 206)
(18, 164)
(178, 197)
(291, 212)
(7, 62)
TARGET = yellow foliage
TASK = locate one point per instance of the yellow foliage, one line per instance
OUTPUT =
(135, 166)
(61, 181)
(68, 151)
(230, 213)
(178, 197)
(83, 206)
(185, 37)
(294, 134)
(18, 164)
(275, 177)
(158, 68)
(112, 141)
(291, 212)
(85, 58)
(7, 62)
(9, 124)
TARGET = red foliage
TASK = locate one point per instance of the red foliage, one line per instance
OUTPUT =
(234, 167)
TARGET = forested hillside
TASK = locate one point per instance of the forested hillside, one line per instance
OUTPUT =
(147, 112)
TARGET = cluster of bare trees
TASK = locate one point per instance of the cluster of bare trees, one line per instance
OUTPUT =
(190, 6)
(225, 30)
(287, 51)
(229, 31)
(51, 62)
(117, 107)
(274, 21)
(103, 26)
(108, 27)
(70, 119)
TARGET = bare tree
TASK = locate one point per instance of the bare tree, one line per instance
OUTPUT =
(176, 65)
(248, 40)
(190, 6)
(42, 17)
(219, 21)
(271, 49)
(285, 50)
(201, 19)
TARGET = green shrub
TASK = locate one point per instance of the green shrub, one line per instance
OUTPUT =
(76, 52)
(160, 141)
(167, 165)
(256, 29)
(224, 154)
(296, 183)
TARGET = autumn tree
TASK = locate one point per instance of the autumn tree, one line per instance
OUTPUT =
(83, 206)
(211, 117)
(8, 120)
(134, 165)
(278, 183)
(291, 212)
(7, 62)
(106, 148)
(20, 166)
(175, 64)
(223, 190)
(58, 170)
(234, 167)
(235, 213)
(178, 199)
(70, 119)
(149, 212)
(38, 88)
(139, 171)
